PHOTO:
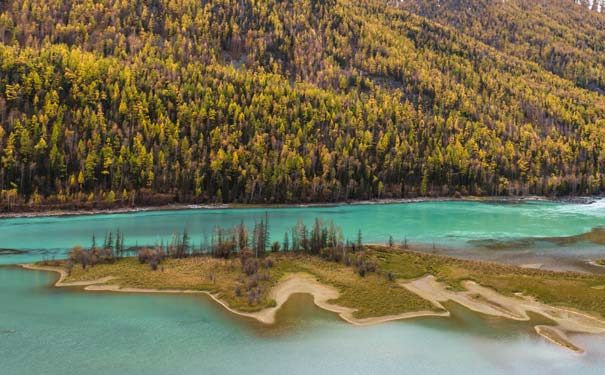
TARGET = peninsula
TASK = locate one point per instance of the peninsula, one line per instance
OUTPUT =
(364, 285)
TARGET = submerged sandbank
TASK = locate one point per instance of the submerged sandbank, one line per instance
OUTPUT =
(475, 297)
(489, 302)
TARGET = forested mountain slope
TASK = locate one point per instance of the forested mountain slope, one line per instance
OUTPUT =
(561, 36)
(287, 101)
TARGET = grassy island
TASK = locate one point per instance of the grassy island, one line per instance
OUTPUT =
(373, 294)
(365, 284)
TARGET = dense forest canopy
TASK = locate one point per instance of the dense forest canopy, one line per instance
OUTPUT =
(560, 36)
(119, 102)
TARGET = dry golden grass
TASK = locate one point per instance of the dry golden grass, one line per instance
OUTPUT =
(568, 289)
(373, 295)
(217, 276)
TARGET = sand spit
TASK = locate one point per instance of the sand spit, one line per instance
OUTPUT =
(487, 301)
(476, 298)
(63, 274)
(594, 263)
(289, 285)
(558, 337)
(322, 294)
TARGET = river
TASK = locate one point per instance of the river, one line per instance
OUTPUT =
(45, 330)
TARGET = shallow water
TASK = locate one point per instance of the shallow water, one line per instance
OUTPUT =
(445, 224)
(45, 330)
(62, 331)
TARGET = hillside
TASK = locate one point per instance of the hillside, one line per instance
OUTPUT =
(562, 37)
(105, 102)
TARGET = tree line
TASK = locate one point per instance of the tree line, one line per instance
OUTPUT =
(323, 239)
(115, 103)
(250, 248)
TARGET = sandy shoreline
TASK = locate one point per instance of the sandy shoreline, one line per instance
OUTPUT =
(489, 302)
(183, 207)
(558, 337)
(476, 298)
(289, 285)
(593, 263)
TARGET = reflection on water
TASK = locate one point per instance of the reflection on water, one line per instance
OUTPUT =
(45, 330)
(467, 321)
(62, 331)
(297, 314)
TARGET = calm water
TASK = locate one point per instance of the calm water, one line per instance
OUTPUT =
(46, 330)
(451, 224)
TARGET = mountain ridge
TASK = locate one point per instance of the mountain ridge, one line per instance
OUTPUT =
(103, 102)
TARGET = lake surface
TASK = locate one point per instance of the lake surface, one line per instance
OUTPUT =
(45, 330)
(58, 331)
(445, 224)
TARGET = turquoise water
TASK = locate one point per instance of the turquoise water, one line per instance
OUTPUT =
(443, 223)
(45, 330)
(58, 331)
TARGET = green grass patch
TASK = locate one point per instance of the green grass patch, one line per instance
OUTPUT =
(373, 295)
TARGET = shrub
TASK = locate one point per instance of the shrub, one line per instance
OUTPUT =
(252, 283)
(361, 270)
(251, 266)
(78, 255)
(244, 254)
(348, 261)
(224, 249)
(359, 260)
(153, 257)
(331, 254)
(268, 263)
(144, 255)
(371, 267)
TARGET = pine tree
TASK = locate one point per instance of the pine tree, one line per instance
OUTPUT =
(184, 245)
(266, 233)
(286, 244)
